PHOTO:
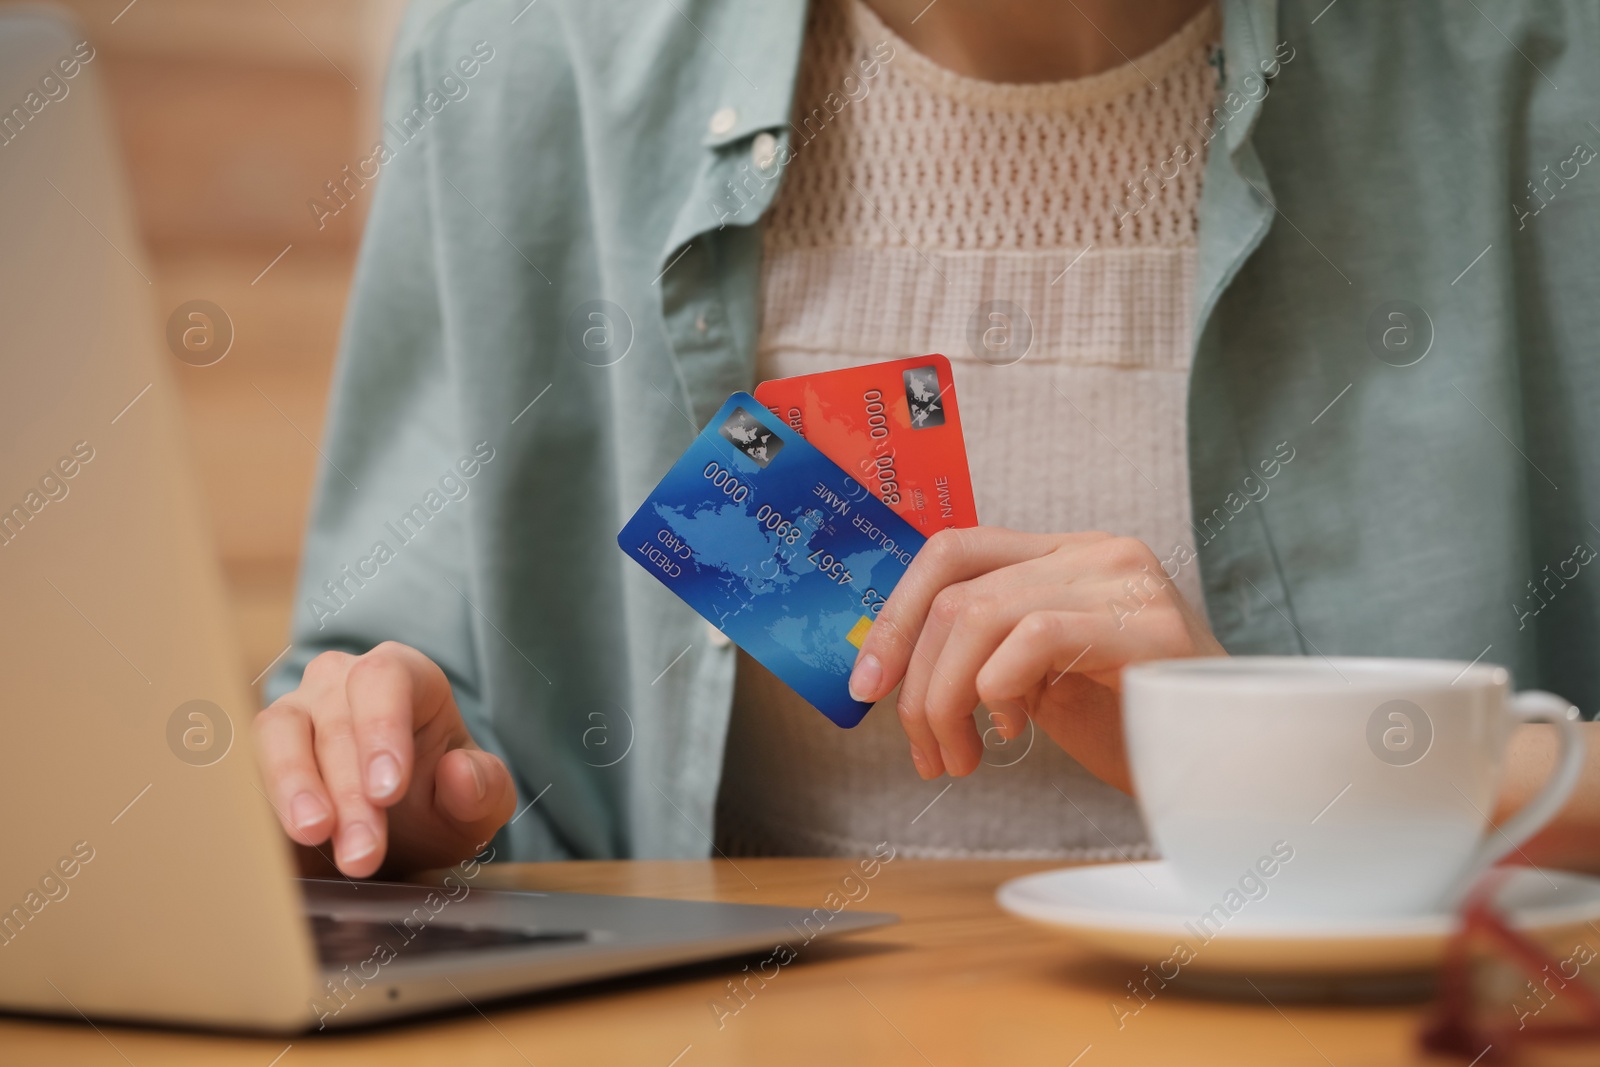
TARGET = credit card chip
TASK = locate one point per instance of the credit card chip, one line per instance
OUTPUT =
(858, 632)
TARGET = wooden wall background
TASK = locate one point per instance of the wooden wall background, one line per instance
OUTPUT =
(231, 114)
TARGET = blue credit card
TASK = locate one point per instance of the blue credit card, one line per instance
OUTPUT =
(777, 547)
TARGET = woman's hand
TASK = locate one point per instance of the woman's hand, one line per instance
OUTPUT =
(371, 754)
(1033, 625)
(1571, 840)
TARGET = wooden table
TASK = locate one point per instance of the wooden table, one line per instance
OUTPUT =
(957, 982)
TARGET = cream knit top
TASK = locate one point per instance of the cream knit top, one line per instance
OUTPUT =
(1043, 238)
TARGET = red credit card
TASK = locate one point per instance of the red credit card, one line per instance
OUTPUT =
(894, 426)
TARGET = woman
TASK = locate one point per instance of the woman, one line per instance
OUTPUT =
(1191, 266)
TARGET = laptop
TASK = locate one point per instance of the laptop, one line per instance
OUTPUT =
(143, 875)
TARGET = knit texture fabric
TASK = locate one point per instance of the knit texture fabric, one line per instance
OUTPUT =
(1043, 238)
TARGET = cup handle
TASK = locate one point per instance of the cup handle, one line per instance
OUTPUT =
(1536, 705)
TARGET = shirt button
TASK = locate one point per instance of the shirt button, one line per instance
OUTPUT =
(764, 150)
(723, 120)
(718, 638)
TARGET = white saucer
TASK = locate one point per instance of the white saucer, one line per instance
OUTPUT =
(1137, 912)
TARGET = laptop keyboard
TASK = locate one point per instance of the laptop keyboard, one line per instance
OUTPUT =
(341, 941)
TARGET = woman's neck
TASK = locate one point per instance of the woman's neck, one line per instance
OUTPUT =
(1034, 40)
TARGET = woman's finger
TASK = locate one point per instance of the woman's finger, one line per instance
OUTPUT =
(989, 612)
(1085, 719)
(360, 838)
(474, 788)
(986, 603)
(920, 676)
(393, 692)
(289, 766)
(950, 556)
(1045, 645)
(380, 692)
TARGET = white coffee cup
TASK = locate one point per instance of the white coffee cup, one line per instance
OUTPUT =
(1308, 787)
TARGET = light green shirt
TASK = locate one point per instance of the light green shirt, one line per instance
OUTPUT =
(540, 158)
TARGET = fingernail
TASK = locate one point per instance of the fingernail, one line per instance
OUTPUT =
(920, 761)
(478, 779)
(383, 775)
(1007, 716)
(865, 678)
(306, 811)
(357, 842)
